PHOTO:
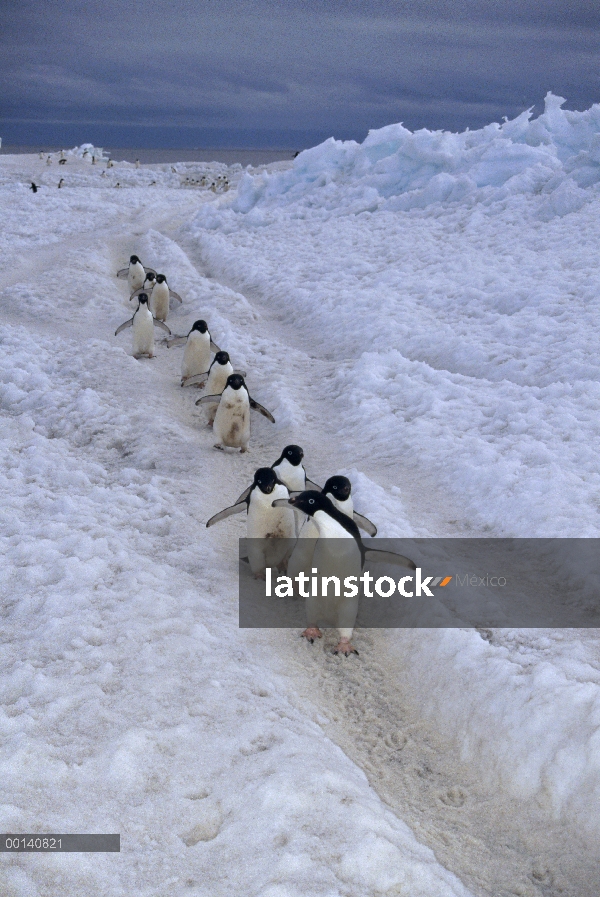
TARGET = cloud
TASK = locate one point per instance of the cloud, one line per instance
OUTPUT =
(319, 65)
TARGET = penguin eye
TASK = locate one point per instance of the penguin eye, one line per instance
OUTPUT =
(311, 501)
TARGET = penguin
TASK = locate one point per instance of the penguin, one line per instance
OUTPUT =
(232, 420)
(34, 187)
(42, 156)
(135, 273)
(345, 556)
(149, 281)
(338, 489)
(110, 163)
(218, 373)
(143, 324)
(49, 160)
(290, 470)
(274, 526)
(62, 161)
(196, 355)
(161, 293)
(60, 183)
(137, 163)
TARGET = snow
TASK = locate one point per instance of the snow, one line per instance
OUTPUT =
(419, 312)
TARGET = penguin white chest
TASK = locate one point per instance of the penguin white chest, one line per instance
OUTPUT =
(216, 383)
(160, 302)
(293, 477)
(267, 522)
(136, 277)
(232, 420)
(196, 355)
(346, 507)
(143, 333)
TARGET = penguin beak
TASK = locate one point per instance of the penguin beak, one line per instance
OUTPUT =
(281, 503)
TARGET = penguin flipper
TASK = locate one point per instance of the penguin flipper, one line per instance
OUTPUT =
(244, 495)
(311, 485)
(197, 378)
(123, 273)
(388, 557)
(214, 347)
(149, 270)
(261, 409)
(205, 399)
(176, 341)
(366, 524)
(174, 295)
(124, 326)
(161, 324)
(237, 508)
(281, 503)
(136, 293)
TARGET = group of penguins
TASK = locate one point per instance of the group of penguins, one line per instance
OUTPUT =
(291, 521)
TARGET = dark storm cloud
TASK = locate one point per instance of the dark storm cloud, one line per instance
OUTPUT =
(200, 71)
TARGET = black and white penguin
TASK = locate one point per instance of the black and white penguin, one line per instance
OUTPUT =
(135, 274)
(143, 324)
(198, 346)
(345, 557)
(232, 420)
(60, 183)
(273, 525)
(218, 373)
(34, 187)
(161, 294)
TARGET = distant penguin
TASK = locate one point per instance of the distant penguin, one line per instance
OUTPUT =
(274, 526)
(135, 274)
(344, 557)
(149, 280)
(34, 187)
(62, 161)
(60, 183)
(110, 164)
(196, 355)
(41, 156)
(143, 324)
(49, 160)
(232, 420)
(137, 163)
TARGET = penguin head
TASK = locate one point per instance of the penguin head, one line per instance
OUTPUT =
(294, 454)
(160, 278)
(339, 487)
(266, 479)
(199, 326)
(236, 381)
(133, 260)
(150, 275)
(222, 357)
(311, 501)
(143, 299)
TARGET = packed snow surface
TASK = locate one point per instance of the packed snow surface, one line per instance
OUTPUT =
(420, 313)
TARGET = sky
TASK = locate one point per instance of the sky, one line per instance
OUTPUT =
(283, 73)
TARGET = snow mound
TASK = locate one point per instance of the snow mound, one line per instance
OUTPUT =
(556, 154)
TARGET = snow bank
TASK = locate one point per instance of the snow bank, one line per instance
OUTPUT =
(556, 155)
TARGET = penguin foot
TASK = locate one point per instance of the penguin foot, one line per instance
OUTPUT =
(344, 647)
(243, 449)
(219, 446)
(311, 634)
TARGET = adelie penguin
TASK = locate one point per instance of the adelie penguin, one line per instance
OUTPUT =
(342, 557)
(218, 373)
(196, 355)
(232, 420)
(135, 274)
(143, 324)
(274, 526)
(339, 490)
(161, 294)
